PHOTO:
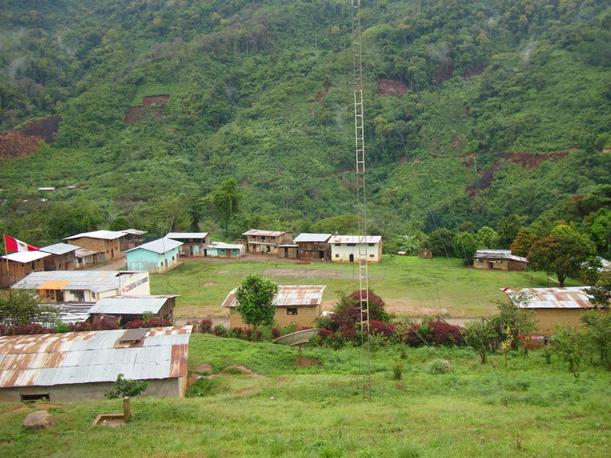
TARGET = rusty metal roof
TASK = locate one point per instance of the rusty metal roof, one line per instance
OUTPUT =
(307, 237)
(264, 233)
(338, 239)
(550, 298)
(498, 254)
(94, 356)
(289, 296)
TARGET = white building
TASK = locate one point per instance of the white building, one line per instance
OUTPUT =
(345, 248)
(84, 286)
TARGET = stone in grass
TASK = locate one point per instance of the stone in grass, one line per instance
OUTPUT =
(39, 420)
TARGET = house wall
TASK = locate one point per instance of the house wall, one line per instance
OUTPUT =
(110, 248)
(91, 260)
(267, 245)
(149, 261)
(135, 284)
(425, 253)
(129, 241)
(311, 251)
(499, 264)
(193, 247)
(341, 253)
(169, 387)
(17, 271)
(547, 319)
(60, 262)
(222, 253)
(287, 252)
(305, 317)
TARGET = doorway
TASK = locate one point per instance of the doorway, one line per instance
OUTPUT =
(351, 257)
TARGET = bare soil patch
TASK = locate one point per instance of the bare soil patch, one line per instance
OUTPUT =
(533, 160)
(298, 273)
(390, 87)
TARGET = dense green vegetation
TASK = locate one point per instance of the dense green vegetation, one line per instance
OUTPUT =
(529, 408)
(259, 91)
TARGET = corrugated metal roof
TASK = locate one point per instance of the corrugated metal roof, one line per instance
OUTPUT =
(186, 235)
(158, 246)
(71, 312)
(59, 248)
(95, 356)
(289, 296)
(498, 254)
(551, 298)
(24, 257)
(92, 280)
(133, 231)
(307, 237)
(354, 239)
(129, 305)
(264, 233)
(103, 234)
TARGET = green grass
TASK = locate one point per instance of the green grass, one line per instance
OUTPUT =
(409, 285)
(529, 409)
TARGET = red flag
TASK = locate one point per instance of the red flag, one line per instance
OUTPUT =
(12, 244)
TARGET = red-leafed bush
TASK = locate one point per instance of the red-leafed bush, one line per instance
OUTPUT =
(102, 323)
(276, 333)
(150, 323)
(382, 328)
(205, 326)
(29, 329)
(376, 305)
(434, 333)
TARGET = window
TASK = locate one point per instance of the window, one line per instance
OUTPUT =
(337, 255)
(351, 244)
(371, 244)
(33, 265)
(372, 255)
(291, 311)
(35, 397)
(79, 295)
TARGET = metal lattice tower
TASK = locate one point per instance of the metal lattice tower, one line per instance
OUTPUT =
(360, 159)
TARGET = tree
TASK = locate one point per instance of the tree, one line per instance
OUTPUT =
(520, 321)
(442, 242)
(170, 213)
(601, 293)
(21, 308)
(523, 241)
(487, 237)
(225, 202)
(73, 218)
(481, 335)
(571, 346)
(601, 232)
(598, 332)
(562, 252)
(508, 228)
(254, 297)
(125, 387)
(465, 245)
(119, 223)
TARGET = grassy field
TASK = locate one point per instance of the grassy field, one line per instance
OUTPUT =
(528, 409)
(409, 285)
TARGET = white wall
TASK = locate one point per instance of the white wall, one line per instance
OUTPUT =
(135, 284)
(341, 253)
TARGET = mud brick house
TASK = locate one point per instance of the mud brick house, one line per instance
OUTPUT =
(131, 239)
(63, 256)
(107, 242)
(499, 260)
(84, 285)
(346, 248)
(287, 250)
(313, 247)
(16, 266)
(552, 306)
(193, 243)
(266, 242)
(297, 305)
(76, 366)
(87, 258)
(128, 308)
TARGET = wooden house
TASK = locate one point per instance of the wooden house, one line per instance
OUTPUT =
(193, 243)
(128, 308)
(313, 247)
(266, 242)
(224, 250)
(499, 260)
(157, 256)
(426, 253)
(87, 258)
(131, 239)
(84, 285)
(287, 250)
(107, 242)
(63, 256)
(297, 305)
(552, 306)
(16, 266)
(346, 248)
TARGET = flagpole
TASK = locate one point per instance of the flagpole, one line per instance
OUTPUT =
(8, 275)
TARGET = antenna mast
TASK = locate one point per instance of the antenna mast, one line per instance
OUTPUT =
(359, 135)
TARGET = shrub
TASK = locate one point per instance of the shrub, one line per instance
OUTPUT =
(446, 334)
(219, 330)
(205, 326)
(397, 370)
(238, 333)
(571, 346)
(125, 387)
(382, 328)
(276, 333)
(102, 323)
(482, 336)
(376, 305)
(29, 329)
(439, 366)
(149, 323)
(598, 333)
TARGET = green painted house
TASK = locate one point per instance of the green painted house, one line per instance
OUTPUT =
(224, 250)
(157, 256)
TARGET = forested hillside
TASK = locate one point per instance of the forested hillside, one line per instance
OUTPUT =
(478, 113)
